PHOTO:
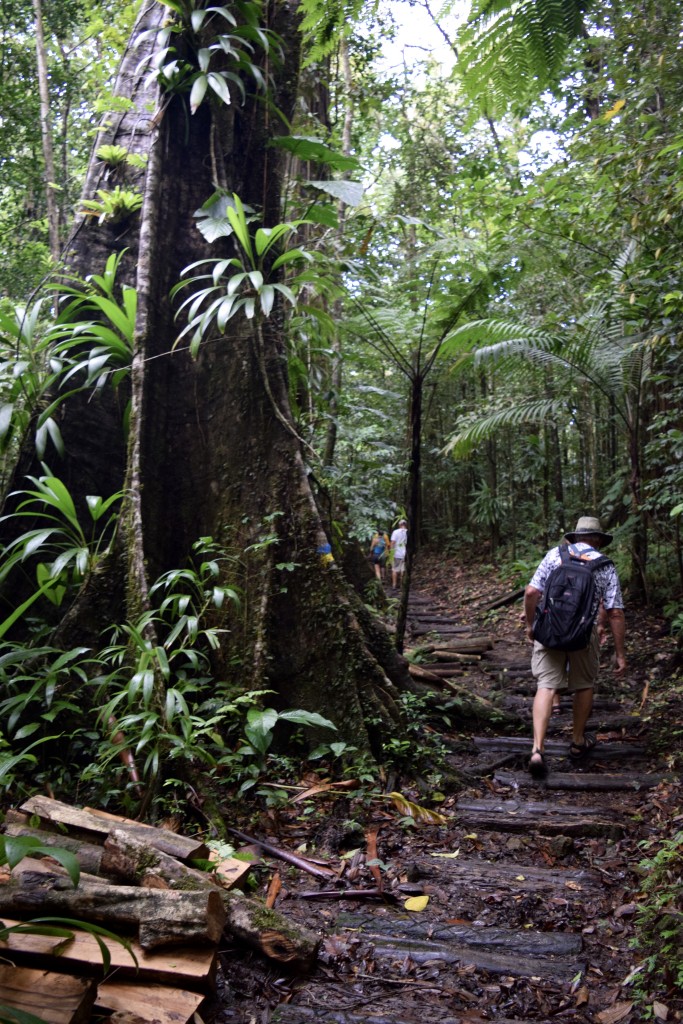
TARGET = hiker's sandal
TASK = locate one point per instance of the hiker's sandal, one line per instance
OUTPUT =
(577, 751)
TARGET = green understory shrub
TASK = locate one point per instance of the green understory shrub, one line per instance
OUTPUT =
(659, 923)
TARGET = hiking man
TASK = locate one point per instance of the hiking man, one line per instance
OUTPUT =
(399, 541)
(562, 604)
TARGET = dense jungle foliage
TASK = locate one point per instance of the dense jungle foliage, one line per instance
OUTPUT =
(470, 269)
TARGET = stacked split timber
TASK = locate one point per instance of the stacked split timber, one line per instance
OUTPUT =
(139, 883)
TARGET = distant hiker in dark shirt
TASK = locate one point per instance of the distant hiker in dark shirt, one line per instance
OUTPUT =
(575, 670)
(379, 549)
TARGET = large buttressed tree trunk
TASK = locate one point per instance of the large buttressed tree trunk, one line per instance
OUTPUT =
(207, 452)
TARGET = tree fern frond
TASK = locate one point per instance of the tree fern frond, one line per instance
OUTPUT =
(463, 442)
(511, 48)
(477, 332)
(325, 22)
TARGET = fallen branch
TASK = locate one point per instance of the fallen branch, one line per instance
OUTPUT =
(285, 855)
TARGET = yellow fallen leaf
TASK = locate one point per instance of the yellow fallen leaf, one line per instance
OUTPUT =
(411, 810)
(472, 835)
(416, 902)
(520, 878)
(456, 853)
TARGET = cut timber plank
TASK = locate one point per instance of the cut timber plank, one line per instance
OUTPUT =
(100, 825)
(229, 871)
(55, 998)
(157, 1003)
(193, 968)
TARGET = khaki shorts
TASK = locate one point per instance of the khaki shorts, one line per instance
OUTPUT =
(560, 670)
(398, 564)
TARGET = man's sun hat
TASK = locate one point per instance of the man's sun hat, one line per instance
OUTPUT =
(588, 526)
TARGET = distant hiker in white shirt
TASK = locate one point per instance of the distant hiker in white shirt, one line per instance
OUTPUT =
(399, 540)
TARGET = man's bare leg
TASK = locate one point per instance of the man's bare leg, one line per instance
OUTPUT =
(581, 709)
(543, 705)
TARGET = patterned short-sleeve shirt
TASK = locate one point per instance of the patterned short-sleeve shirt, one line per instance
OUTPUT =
(607, 586)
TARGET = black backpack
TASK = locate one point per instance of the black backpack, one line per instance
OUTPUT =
(564, 615)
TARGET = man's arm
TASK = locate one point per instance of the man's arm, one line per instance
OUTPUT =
(531, 598)
(617, 624)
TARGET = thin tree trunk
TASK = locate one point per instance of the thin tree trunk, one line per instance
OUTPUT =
(46, 133)
(337, 365)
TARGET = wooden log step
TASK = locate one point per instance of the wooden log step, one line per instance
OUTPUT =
(508, 667)
(162, 1004)
(531, 817)
(446, 654)
(558, 748)
(54, 998)
(438, 620)
(484, 877)
(448, 631)
(499, 950)
(99, 824)
(584, 782)
(189, 967)
(464, 644)
(441, 669)
(296, 1013)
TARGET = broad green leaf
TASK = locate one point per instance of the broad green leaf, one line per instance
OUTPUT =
(305, 148)
(6, 413)
(307, 718)
(267, 298)
(198, 91)
(219, 85)
(349, 192)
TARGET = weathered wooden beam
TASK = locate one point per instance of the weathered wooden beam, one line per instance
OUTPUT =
(55, 998)
(100, 824)
(147, 1002)
(191, 967)
(161, 917)
(88, 855)
(133, 860)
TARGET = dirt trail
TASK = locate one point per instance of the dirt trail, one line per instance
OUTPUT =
(530, 885)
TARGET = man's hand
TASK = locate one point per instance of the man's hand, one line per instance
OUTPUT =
(619, 665)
